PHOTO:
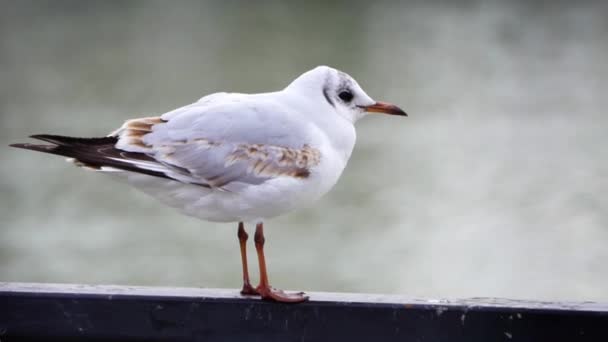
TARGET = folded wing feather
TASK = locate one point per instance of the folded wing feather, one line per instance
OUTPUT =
(213, 157)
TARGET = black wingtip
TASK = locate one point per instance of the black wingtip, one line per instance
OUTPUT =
(53, 139)
(50, 138)
(35, 147)
(20, 145)
(62, 140)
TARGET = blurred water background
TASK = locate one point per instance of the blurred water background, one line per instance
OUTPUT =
(496, 185)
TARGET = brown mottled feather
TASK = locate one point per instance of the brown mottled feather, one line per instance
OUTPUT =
(272, 161)
(135, 129)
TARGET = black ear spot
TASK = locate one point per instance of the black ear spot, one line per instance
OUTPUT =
(326, 94)
(346, 96)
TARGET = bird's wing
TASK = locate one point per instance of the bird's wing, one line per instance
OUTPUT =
(223, 144)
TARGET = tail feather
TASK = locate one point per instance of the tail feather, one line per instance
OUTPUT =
(92, 152)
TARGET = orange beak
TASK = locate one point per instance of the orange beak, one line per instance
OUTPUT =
(383, 107)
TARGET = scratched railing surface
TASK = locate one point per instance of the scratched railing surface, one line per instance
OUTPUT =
(103, 312)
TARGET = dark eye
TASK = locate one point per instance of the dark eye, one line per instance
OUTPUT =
(345, 96)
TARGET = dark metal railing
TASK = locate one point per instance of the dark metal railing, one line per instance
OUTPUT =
(125, 313)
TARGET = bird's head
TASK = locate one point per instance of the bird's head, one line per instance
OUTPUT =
(341, 92)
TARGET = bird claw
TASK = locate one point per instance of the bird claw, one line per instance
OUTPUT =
(248, 290)
(270, 293)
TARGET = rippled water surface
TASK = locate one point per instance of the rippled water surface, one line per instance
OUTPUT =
(496, 185)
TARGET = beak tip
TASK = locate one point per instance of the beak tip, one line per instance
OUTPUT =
(385, 108)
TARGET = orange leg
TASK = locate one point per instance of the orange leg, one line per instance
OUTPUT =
(247, 288)
(264, 288)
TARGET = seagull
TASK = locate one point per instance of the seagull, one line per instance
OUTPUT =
(233, 157)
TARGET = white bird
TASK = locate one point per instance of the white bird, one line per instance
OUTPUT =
(232, 157)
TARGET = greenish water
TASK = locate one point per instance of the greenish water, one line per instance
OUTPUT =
(494, 186)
